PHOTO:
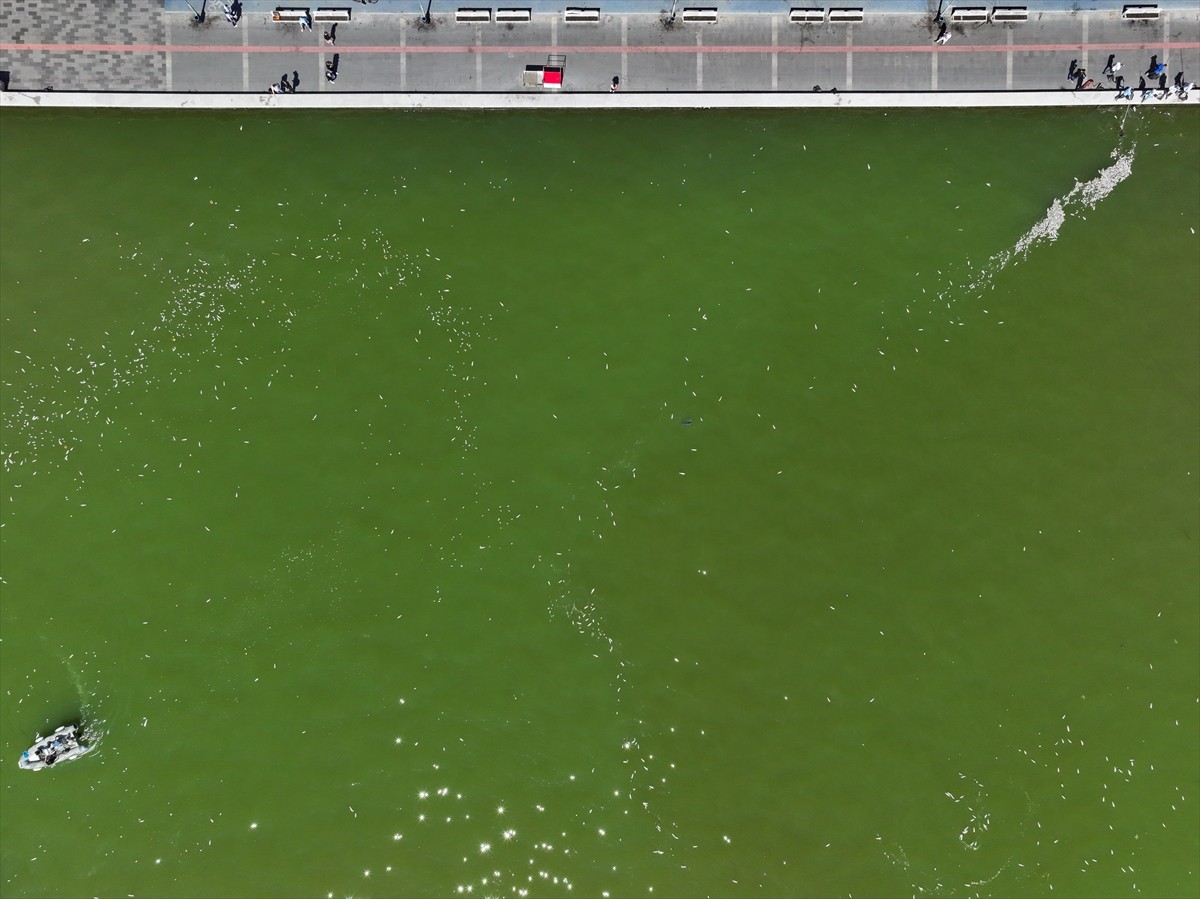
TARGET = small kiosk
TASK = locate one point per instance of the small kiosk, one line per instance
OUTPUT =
(548, 77)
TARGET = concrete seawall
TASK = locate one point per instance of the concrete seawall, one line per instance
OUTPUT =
(639, 100)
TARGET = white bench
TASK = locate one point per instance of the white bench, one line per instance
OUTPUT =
(1140, 11)
(514, 15)
(969, 14)
(289, 13)
(577, 14)
(806, 14)
(464, 14)
(331, 14)
(700, 16)
(846, 15)
(1010, 14)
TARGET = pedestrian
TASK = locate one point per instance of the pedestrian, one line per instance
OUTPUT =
(1142, 83)
(943, 35)
(274, 88)
(230, 15)
(305, 22)
(1153, 65)
(1120, 81)
(1071, 69)
(1108, 66)
(1162, 81)
(1125, 93)
(330, 71)
(1179, 79)
(616, 84)
(329, 38)
(285, 84)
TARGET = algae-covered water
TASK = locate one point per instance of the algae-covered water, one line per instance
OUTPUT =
(657, 504)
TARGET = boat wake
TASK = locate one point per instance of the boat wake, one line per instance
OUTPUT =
(1080, 200)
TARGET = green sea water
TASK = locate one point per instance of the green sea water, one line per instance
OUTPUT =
(647, 504)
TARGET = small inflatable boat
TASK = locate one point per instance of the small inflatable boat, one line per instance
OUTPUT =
(64, 745)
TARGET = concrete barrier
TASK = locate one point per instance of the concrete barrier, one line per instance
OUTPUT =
(591, 100)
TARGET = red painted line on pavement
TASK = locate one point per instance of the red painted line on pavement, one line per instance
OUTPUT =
(689, 50)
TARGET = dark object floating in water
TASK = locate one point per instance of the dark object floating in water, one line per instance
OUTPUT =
(64, 745)
(686, 422)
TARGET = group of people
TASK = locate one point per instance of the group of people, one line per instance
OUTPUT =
(284, 86)
(233, 12)
(1155, 71)
(49, 750)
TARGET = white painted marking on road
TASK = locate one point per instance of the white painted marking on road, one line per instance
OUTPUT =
(169, 73)
(699, 61)
(245, 53)
(478, 58)
(933, 58)
(775, 55)
(849, 58)
(624, 51)
(1008, 58)
(1083, 59)
(403, 56)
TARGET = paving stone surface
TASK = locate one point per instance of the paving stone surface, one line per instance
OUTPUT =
(83, 23)
(160, 46)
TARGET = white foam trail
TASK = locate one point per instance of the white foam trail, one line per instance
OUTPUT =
(1083, 198)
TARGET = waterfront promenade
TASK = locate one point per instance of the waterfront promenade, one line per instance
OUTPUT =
(387, 55)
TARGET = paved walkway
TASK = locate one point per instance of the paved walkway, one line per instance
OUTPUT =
(157, 46)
